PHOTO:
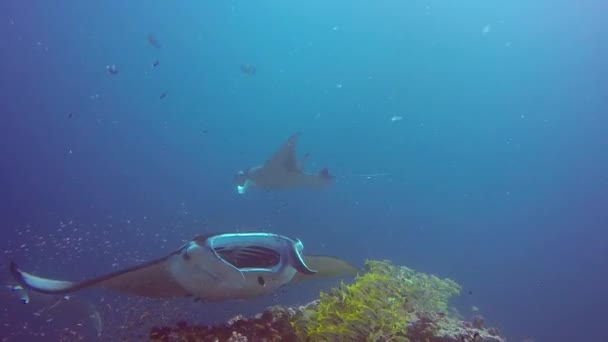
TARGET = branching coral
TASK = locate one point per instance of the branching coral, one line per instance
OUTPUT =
(376, 307)
(425, 292)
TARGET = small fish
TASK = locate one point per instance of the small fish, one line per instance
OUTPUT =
(112, 69)
(153, 41)
(156, 63)
(371, 175)
(96, 319)
(70, 115)
(21, 293)
(163, 95)
(248, 69)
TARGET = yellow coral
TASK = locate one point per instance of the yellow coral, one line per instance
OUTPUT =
(376, 307)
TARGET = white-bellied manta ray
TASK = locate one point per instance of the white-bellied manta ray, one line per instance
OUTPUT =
(281, 171)
(210, 267)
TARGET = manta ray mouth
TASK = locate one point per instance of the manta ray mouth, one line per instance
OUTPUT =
(249, 256)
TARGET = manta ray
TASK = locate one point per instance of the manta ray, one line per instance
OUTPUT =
(210, 267)
(63, 310)
(281, 171)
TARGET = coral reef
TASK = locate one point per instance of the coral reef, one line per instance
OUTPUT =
(439, 327)
(384, 303)
(274, 324)
(376, 307)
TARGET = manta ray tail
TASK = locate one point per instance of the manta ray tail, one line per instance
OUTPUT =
(42, 285)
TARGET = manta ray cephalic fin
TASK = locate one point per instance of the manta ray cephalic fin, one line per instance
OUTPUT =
(326, 267)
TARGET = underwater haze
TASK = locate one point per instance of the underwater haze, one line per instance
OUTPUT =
(467, 139)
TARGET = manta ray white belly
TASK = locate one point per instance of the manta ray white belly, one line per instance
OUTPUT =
(202, 274)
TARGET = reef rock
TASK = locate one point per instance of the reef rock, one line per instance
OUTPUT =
(434, 327)
(275, 324)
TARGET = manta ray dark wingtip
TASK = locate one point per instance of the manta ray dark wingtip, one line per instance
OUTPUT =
(13, 267)
(294, 137)
(324, 173)
(16, 273)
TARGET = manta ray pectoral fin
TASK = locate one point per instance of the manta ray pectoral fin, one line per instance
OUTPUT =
(151, 279)
(284, 158)
(42, 285)
(326, 267)
(305, 180)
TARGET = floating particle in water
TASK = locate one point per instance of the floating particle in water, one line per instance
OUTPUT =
(335, 28)
(486, 29)
(339, 86)
(396, 118)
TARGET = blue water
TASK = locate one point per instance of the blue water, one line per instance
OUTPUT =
(495, 176)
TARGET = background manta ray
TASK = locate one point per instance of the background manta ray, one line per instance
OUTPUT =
(49, 316)
(210, 267)
(282, 171)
